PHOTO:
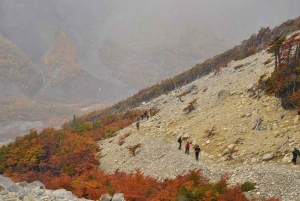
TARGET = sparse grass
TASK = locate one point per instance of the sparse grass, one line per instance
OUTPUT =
(211, 132)
(154, 111)
(191, 106)
(133, 148)
(181, 95)
(268, 61)
(122, 138)
(239, 66)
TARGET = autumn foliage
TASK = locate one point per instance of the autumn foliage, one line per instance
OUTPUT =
(68, 158)
(284, 81)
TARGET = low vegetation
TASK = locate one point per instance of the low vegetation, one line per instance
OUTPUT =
(191, 106)
(284, 82)
(67, 158)
(248, 186)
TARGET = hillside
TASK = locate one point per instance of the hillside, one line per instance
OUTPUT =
(215, 104)
(77, 56)
(223, 101)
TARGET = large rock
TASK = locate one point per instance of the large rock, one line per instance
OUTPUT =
(118, 197)
(287, 158)
(267, 157)
(62, 194)
(221, 96)
(38, 184)
(8, 184)
(105, 197)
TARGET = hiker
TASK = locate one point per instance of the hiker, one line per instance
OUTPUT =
(187, 147)
(146, 114)
(179, 141)
(197, 151)
(138, 123)
(295, 153)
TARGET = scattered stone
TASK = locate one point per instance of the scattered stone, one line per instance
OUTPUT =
(267, 157)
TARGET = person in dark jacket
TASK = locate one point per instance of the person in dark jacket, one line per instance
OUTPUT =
(197, 151)
(179, 141)
(295, 154)
(187, 148)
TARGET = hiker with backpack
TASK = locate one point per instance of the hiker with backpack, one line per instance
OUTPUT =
(296, 153)
(146, 114)
(197, 151)
(179, 141)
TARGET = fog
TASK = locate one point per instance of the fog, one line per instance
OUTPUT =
(123, 46)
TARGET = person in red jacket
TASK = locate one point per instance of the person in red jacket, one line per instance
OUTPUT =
(146, 114)
(187, 148)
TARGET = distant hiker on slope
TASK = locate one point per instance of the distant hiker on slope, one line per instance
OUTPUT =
(296, 153)
(197, 151)
(146, 114)
(138, 123)
(179, 141)
(187, 147)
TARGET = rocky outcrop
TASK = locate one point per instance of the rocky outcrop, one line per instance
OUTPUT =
(11, 191)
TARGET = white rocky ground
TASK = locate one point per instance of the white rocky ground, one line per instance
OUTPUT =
(263, 156)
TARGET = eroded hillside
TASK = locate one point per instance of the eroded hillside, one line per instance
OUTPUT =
(237, 144)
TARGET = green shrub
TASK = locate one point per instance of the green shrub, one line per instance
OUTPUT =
(248, 186)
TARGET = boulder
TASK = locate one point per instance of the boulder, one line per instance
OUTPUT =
(231, 146)
(62, 194)
(267, 157)
(8, 184)
(221, 96)
(226, 151)
(118, 197)
(37, 184)
(185, 136)
(105, 197)
(287, 158)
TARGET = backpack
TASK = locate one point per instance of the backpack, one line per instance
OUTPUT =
(179, 139)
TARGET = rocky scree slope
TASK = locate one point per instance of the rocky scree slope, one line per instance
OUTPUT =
(261, 155)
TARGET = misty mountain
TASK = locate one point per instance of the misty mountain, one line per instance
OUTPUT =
(129, 45)
(100, 51)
